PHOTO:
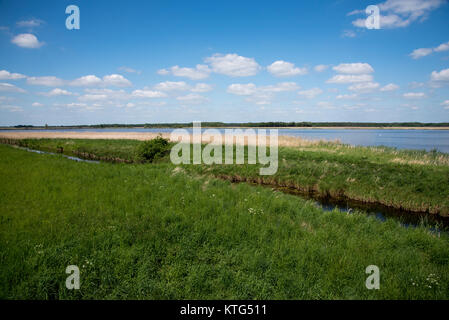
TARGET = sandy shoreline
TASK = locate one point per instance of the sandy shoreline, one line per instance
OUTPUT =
(282, 140)
(206, 127)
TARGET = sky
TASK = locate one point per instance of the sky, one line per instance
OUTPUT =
(230, 61)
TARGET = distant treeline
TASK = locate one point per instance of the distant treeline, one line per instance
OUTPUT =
(245, 124)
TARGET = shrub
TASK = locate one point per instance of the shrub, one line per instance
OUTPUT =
(151, 150)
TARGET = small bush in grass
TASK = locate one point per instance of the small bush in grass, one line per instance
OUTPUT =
(151, 150)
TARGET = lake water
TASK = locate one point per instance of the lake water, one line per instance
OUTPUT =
(401, 139)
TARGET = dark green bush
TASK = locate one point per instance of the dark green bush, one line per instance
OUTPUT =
(151, 150)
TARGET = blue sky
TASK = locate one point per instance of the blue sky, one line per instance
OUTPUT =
(231, 61)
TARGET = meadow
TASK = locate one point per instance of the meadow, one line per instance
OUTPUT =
(409, 180)
(160, 231)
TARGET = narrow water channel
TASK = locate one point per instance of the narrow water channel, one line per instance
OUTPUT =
(407, 218)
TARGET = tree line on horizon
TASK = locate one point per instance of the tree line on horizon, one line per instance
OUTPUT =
(247, 124)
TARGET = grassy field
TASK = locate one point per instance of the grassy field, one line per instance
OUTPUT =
(156, 231)
(402, 179)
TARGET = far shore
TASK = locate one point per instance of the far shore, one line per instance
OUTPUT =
(206, 127)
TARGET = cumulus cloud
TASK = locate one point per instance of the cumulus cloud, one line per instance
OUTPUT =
(129, 70)
(49, 81)
(201, 87)
(30, 23)
(116, 80)
(27, 40)
(320, 67)
(146, 93)
(6, 75)
(11, 108)
(233, 65)
(445, 104)
(57, 92)
(7, 87)
(89, 80)
(311, 93)
(37, 104)
(192, 98)
(348, 34)
(242, 89)
(442, 75)
(350, 78)
(389, 87)
(346, 96)
(401, 13)
(364, 87)
(172, 86)
(422, 52)
(354, 68)
(201, 71)
(414, 95)
(285, 69)
(261, 95)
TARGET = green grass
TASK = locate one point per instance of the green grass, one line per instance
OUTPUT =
(402, 179)
(155, 231)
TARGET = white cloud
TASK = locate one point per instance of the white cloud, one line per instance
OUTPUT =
(37, 104)
(364, 87)
(348, 34)
(325, 105)
(443, 75)
(49, 81)
(280, 87)
(350, 78)
(320, 67)
(311, 93)
(7, 87)
(389, 87)
(261, 95)
(57, 92)
(285, 69)
(201, 71)
(242, 89)
(27, 40)
(422, 52)
(401, 13)
(233, 65)
(445, 104)
(414, 95)
(89, 80)
(192, 98)
(201, 87)
(129, 70)
(11, 108)
(346, 96)
(116, 80)
(354, 68)
(442, 47)
(93, 97)
(148, 94)
(6, 75)
(30, 23)
(172, 86)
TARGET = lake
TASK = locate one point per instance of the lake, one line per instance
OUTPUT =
(401, 139)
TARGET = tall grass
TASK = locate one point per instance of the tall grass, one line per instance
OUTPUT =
(159, 232)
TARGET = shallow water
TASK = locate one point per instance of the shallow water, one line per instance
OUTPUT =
(400, 138)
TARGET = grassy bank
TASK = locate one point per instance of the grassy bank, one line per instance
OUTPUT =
(158, 232)
(410, 180)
